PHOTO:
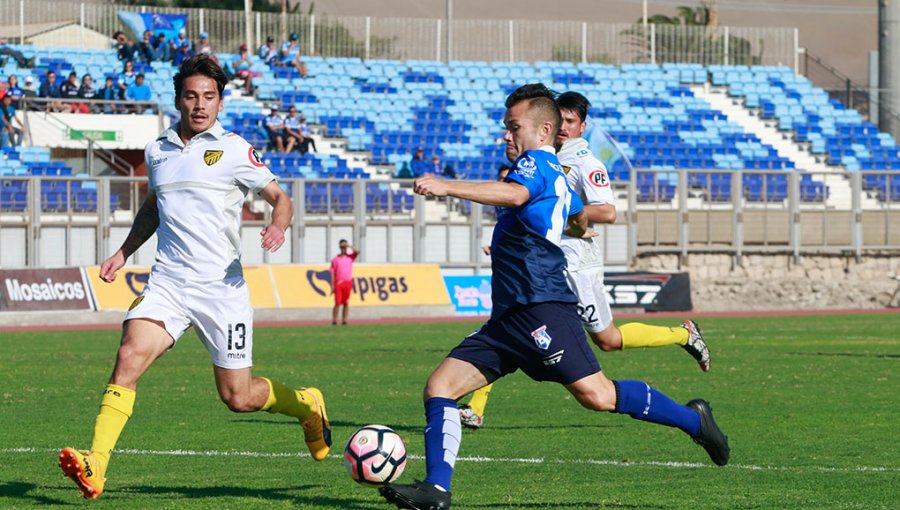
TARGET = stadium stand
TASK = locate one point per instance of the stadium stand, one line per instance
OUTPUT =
(387, 108)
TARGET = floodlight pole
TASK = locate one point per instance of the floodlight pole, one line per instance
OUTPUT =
(449, 30)
(248, 25)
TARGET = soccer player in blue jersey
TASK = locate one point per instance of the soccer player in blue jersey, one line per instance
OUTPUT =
(534, 325)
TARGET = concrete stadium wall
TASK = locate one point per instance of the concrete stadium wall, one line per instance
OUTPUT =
(778, 282)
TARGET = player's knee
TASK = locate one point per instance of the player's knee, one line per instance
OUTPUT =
(607, 340)
(238, 403)
(435, 388)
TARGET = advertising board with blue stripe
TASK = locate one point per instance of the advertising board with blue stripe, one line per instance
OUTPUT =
(470, 295)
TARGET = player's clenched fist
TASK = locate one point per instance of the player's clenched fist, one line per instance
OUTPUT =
(430, 186)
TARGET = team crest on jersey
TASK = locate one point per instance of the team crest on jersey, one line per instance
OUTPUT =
(598, 178)
(566, 169)
(212, 157)
(255, 160)
(541, 337)
(525, 167)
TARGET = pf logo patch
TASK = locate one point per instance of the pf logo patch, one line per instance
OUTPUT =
(255, 160)
(212, 157)
(598, 179)
(541, 338)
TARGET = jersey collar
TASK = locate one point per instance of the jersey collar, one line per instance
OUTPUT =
(215, 132)
(547, 148)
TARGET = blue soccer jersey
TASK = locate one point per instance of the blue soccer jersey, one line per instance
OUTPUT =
(527, 262)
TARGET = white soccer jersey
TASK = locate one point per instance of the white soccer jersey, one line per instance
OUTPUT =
(587, 177)
(200, 189)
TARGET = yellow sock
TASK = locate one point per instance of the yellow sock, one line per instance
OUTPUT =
(635, 335)
(115, 409)
(283, 400)
(479, 399)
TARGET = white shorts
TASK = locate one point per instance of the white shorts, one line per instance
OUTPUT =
(593, 307)
(220, 311)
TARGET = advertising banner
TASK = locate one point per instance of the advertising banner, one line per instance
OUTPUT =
(470, 295)
(130, 282)
(302, 286)
(44, 289)
(655, 292)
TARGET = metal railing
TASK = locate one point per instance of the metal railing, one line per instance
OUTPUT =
(57, 221)
(435, 39)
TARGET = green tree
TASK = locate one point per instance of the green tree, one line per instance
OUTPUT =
(692, 35)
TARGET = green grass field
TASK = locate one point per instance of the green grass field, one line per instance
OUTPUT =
(810, 405)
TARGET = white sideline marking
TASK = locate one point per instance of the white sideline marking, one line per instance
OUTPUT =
(500, 460)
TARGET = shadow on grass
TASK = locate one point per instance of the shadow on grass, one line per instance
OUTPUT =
(268, 494)
(847, 355)
(421, 427)
(556, 504)
(23, 491)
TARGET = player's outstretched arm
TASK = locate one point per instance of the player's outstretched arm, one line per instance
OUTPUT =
(145, 224)
(282, 214)
(503, 194)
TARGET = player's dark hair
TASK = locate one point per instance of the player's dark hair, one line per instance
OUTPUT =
(200, 64)
(502, 168)
(539, 98)
(342, 241)
(575, 102)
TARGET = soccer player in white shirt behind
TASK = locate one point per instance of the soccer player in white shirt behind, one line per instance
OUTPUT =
(199, 175)
(589, 179)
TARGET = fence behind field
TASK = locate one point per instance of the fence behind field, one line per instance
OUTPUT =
(429, 39)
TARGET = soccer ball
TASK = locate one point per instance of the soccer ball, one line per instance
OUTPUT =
(374, 455)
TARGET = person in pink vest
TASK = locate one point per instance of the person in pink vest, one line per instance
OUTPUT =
(342, 280)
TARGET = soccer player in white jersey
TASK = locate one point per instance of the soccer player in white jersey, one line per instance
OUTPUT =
(199, 175)
(588, 178)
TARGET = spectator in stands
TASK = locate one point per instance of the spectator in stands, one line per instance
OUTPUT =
(69, 89)
(14, 91)
(138, 91)
(87, 92)
(404, 172)
(127, 78)
(446, 171)
(9, 133)
(181, 41)
(292, 130)
(49, 89)
(162, 50)
(203, 46)
(307, 137)
(126, 50)
(182, 53)
(30, 89)
(290, 55)
(242, 67)
(109, 92)
(145, 48)
(418, 165)
(6, 53)
(268, 52)
(274, 125)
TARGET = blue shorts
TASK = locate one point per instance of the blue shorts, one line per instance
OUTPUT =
(545, 340)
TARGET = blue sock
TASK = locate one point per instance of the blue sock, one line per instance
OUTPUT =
(638, 400)
(442, 435)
